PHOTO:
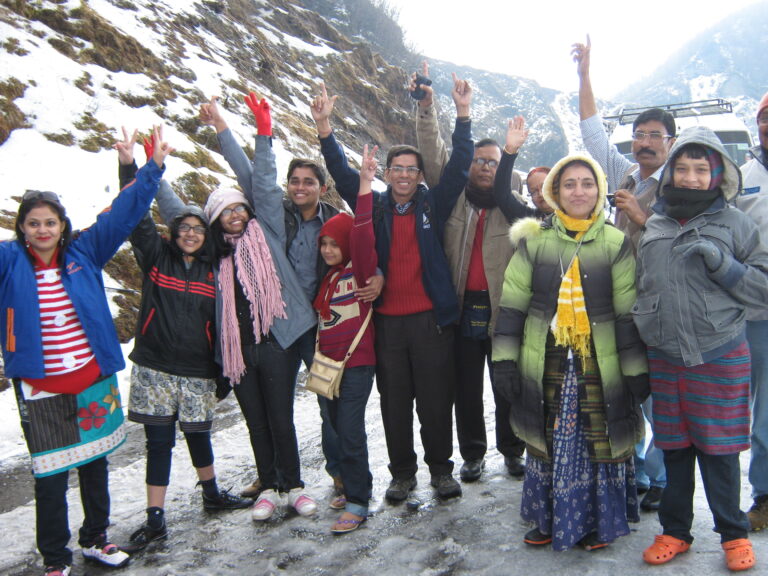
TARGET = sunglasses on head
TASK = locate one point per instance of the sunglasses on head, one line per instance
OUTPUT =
(40, 195)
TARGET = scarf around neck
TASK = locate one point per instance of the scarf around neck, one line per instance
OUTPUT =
(685, 203)
(327, 289)
(480, 198)
(571, 323)
(252, 261)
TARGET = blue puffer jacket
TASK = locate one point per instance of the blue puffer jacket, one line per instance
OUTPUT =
(82, 279)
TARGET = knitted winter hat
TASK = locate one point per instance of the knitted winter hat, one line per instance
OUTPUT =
(339, 228)
(715, 167)
(220, 199)
(763, 104)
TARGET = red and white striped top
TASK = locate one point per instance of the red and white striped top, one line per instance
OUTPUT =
(65, 346)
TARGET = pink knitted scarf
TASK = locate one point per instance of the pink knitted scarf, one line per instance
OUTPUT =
(257, 275)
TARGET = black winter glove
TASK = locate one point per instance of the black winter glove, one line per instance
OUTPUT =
(506, 379)
(639, 386)
(223, 387)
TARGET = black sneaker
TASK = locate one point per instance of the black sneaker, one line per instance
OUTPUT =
(652, 499)
(399, 488)
(226, 501)
(143, 537)
(471, 470)
(446, 486)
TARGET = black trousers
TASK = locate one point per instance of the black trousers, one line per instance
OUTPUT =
(722, 486)
(52, 513)
(414, 361)
(471, 358)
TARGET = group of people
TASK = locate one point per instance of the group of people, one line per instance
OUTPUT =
(586, 327)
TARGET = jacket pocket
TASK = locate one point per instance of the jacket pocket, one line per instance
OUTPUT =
(721, 310)
(646, 315)
(10, 336)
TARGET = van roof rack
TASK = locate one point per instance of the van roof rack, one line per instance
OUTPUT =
(681, 110)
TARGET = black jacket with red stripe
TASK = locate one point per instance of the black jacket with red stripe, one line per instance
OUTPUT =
(176, 329)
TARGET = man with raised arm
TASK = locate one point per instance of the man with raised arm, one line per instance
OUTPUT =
(478, 252)
(418, 307)
(653, 133)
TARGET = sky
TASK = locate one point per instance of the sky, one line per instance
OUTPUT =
(533, 39)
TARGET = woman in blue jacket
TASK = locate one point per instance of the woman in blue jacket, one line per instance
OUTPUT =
(61, 350)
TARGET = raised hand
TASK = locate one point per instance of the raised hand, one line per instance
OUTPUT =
(580, 53)
(211, 116)
(462, 95)
(124, 147)
(420, 90)
(261, 113)
(161, 147)
(517, 134)
(368, 165)
(322, 108)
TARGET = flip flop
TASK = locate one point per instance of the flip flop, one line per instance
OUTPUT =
(344, 525)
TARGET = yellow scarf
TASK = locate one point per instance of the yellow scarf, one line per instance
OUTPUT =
(572, 326)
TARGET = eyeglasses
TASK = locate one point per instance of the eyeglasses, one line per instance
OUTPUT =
(484, 162)
(239, 209)
(762, 119)
(40, 195)
(410, 170)
(654, 136)
(183, 228)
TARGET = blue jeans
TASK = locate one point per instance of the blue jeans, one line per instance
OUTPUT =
(757, 336)
(348, 418)
(649, 460)
(722, 485)
(265, 395)
(305, 347)
(51, 510)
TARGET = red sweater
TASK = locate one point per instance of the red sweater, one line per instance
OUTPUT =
(404, 291)
(347, 312)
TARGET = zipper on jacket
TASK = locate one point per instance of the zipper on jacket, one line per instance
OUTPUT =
(148, 320)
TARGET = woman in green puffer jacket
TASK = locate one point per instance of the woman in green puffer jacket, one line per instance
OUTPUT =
(568, 356)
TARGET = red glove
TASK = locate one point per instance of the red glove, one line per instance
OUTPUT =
(261, 113)
(149, 146)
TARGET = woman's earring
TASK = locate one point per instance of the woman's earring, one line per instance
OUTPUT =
(26, 242)
(61, 241)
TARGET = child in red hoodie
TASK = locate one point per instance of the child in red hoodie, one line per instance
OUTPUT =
(347, 245)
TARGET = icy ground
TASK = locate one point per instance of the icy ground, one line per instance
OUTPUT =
(480, 533)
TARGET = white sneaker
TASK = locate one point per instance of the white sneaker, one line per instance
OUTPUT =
(265, 505)
(302, 503)
(106, 554)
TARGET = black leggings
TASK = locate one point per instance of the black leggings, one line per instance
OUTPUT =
(160, 443)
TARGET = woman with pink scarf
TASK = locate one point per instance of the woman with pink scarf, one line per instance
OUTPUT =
(261, 311)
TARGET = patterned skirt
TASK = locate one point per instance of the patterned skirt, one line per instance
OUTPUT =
(572, 496)
(64, 431)
(705, 405)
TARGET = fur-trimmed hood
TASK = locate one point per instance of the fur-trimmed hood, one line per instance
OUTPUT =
(602, 182)
(524, 228)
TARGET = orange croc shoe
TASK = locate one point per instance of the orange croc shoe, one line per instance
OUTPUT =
(739, 554)
(664, 548)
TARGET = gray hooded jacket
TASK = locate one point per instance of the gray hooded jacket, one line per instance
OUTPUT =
(687, 313)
